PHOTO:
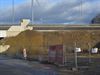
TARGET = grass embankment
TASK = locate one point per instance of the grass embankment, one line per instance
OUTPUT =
(37, 42)
(30, 40)
(34, 42)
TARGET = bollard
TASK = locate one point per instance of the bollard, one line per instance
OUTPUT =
(24, 54)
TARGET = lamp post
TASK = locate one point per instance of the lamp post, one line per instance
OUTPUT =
(93, 40)
(89, 52)
(90, 46)
(32, 11)
(13, 11)
(64, 49)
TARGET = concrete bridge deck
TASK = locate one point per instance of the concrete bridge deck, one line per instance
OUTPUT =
(55, 27)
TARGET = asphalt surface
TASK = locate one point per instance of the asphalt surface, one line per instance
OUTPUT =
(10, 66)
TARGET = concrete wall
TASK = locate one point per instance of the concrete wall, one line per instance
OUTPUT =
(12, 33)
(4, 48)
(3, 33)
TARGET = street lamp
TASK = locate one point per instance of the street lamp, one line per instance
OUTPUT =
(13, 10)
(91, 37)
(32, 12)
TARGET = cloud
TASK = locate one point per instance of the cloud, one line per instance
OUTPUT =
(58, 11)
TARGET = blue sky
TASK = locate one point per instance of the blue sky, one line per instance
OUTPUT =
(51, 11)
(8, 2)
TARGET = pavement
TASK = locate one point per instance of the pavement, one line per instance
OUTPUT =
(9, 66)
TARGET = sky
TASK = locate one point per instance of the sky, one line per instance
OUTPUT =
(50, 11)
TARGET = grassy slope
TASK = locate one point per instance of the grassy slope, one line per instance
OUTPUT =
(38, 42)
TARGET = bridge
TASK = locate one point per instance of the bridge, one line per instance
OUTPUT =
(65, 27)
(55, 27)
(13, 30)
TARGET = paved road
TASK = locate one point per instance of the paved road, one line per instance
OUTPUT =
(10, 66)
(21, 67)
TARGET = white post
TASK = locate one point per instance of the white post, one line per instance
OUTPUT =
(24, 54)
